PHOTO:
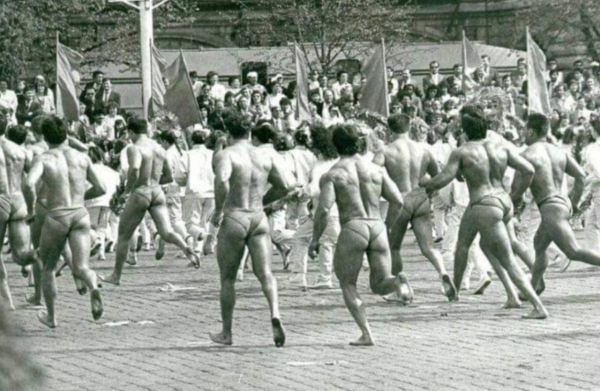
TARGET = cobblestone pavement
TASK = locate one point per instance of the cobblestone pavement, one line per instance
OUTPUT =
(430, 345)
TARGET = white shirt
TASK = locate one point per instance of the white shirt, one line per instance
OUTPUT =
(303, 161)
(337, 88)
(217, 91)
(591, 163)
(110, 179)
(8, 99)
(200, 175)
(175, 159)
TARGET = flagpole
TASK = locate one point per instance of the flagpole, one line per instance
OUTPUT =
(297, 108)
(385, 80)
(57, 95)
(464, 62)
(528, 65)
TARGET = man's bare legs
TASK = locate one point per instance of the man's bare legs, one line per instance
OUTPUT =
(50, 247)
(495, 239)
(130, 218)
(4, 289)
(555, 227)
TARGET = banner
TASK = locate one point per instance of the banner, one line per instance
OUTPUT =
(302, 107)
(538, 98)
(179, 97)
(471, 61)
(67, 77)
(374, 93)
(158, 86)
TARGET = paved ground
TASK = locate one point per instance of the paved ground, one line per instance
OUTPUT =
(431, 345)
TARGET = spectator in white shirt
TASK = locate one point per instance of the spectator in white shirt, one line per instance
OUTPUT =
(340, 84)
(8, 99)
(234, 85)
(199, 201)
(275, 96)
(253, 84)
(216, 90)
(196, 83)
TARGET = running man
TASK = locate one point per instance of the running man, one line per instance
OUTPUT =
(15, 161)
(482, 163)
(356, 185)
(406, 161)
(551, 163)
(148, 169)
(65, 171)
(242, 173)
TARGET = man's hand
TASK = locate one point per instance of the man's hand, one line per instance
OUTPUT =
(30, 218)
(216, 219)
(313, 249)
(424, 181)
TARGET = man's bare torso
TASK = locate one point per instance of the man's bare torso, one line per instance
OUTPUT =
(550, 163)
(406, 161)
(65, 173)
(152, 158)
(482, 164)
(15, 164)
(250, 168)
(358, 186)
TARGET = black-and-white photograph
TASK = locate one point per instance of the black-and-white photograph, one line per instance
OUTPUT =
(299, 195)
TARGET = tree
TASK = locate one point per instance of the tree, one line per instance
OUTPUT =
(324, 29)
(102, 32)
(562, 23)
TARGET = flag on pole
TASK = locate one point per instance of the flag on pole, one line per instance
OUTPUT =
(302, 105)
(471, 61)
(538, 98)
(68, 62)
(179, 96)
(159, 89)
(374, 93)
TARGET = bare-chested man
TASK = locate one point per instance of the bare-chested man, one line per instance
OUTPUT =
(482, 163)
(14, 164)
(551, 163)
(356, 185)
(40, 210)
(406, 161)
(148, 169)
(242, 173)
(65, 171)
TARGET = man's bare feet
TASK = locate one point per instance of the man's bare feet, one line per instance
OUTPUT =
(110, 279)
(96, 302)
(81, 287)
(511, 303)
(220, 339)
(449, 288)
(131, 258)
(364, 340)
(33, 300)
(209, 247)
(278, 332)
(45, 320)
(159, 244)
(192, 257)
(405, 293)
(285, 254)
(536, 314)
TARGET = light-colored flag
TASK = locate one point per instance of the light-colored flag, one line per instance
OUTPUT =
(158, 86)
(374, 93)
(537, 90)
(471, 61)
(179, 98)
(302, 104)
(67, 77)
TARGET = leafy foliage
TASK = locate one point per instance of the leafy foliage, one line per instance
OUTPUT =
(324, 28)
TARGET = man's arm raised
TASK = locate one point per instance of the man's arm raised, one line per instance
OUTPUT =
(524, 172)
(326, 202)
(576, 171)
(98, 189)
(134, 158)
(446, 176)
(281, 181)
(29, 185)
(223, 169)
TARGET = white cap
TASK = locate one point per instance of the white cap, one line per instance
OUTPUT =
(252, 74)
(595, 64)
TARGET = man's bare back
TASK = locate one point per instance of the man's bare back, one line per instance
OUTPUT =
(16, 162)
(406, 161)
(149, 157)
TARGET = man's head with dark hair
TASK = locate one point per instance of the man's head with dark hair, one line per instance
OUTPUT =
(138, 126)
(199, 137)
(55, 130)
(399, 123)
(538, 126)
(347, 140)
(322, 143)
(36, 124)
(283, 142)
(17, 134)
(302, 137)
(95, 154)
(3, 124)
(474, 123)
(264, 133)
(238, 126)
(340, 74)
